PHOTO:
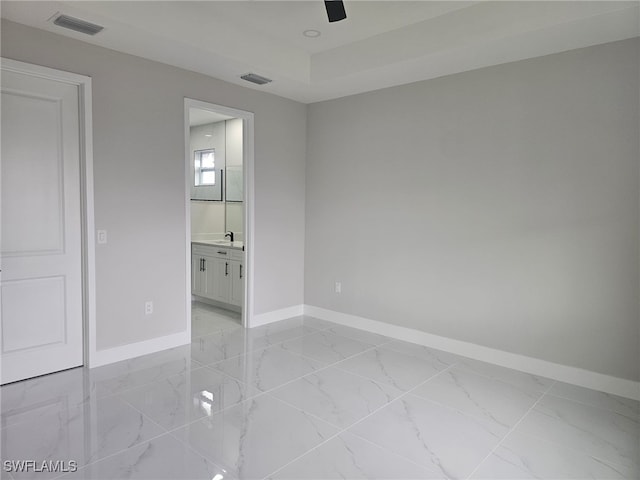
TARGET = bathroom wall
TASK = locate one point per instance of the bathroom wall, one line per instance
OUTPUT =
(498, 207)
(207, 218)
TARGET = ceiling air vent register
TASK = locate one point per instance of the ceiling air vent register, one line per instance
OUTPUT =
(255, 78)
(77, 25)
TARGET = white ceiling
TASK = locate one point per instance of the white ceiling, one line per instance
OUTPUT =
(380, 44)
(202, 117)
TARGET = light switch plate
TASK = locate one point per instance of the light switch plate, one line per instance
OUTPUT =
(102, 236)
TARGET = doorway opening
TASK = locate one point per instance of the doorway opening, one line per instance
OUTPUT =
(219, 150)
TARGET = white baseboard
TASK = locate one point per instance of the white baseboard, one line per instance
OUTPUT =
(276, 315)
(125, 352)
(564, 373)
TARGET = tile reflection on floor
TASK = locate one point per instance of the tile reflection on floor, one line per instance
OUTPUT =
(308, 399)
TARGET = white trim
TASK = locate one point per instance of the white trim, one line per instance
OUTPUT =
(85, 121)
(248, 203)
(125, 352)
(277, 315)
(248, 150)
(187, 205)
(564, 373)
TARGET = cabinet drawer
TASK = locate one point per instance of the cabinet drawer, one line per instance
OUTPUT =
(201, 250)
(221, 252)
(217, 252)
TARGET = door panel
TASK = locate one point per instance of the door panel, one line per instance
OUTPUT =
(33, 224)
(219, 276)
(41, 290)
(42, 318)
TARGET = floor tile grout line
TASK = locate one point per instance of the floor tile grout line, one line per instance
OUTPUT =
(346, 429)
(117, 453)
(192, 449)
(318, 330)
(396, 340)
(340, 432)
(511, 430)
(385, 383)
(339, 427)
(582, 402)
(471, 415)
(143, 414)
(246, 353)
(205, 417)
(158, 381)
(324, 367)
(468, 369)
(269, 393)
(186, 359)
(171, 432)
(334, 365)
(163, 429)
(459, 364)
(599, 458)
(276, 344)
(116, 396)
(146, 384)
(577, 451)
(419, 357)
(412, 393)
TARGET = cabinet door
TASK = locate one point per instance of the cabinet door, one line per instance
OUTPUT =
(198, 279)
(219, 271)
(237, 283)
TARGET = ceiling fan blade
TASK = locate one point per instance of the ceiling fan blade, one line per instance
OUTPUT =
(335, 10)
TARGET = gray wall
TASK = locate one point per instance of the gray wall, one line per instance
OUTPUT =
(140, 188)
(498, 207)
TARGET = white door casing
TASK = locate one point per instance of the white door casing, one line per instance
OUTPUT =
(42, 301)
(248, 153)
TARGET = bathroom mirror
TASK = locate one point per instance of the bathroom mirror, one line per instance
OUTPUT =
(207, 147)
(217, 197)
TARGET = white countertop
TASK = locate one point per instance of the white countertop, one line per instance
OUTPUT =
(220, 243)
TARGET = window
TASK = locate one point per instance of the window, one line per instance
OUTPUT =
(204, 166)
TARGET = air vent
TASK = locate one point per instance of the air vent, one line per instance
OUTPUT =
(254, 78)
(78, 25)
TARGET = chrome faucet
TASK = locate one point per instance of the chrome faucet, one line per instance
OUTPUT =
(230, 235)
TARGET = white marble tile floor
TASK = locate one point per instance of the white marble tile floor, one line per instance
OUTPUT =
(308, 399)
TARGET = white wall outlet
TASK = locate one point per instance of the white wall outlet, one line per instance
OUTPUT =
(338, 287)
(148, 308)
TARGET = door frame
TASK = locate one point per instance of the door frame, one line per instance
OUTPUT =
(248, 201)
(88, 254)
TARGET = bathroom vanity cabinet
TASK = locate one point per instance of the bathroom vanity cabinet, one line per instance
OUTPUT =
(217, 273)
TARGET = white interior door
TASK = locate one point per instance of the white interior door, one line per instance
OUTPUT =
(41, 238)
